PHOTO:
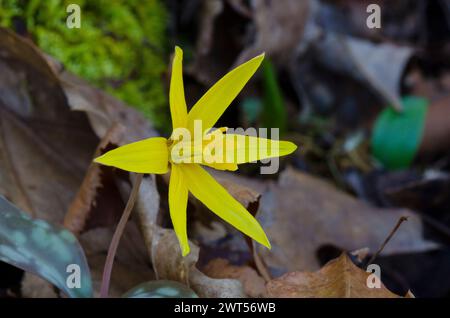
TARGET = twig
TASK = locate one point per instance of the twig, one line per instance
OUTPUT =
(400, 221)
(117, 235)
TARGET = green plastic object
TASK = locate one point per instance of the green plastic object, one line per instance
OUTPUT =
(396, 136)
(160, 289)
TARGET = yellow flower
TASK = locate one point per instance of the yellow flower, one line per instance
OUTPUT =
(155, 155)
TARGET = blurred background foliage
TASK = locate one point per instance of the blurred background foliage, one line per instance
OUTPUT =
(120, 47)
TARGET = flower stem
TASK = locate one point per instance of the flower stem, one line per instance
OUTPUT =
(117, 235)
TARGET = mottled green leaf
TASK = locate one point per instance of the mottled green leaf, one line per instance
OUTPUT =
(160, 289)
(396, 136)
(43, 249)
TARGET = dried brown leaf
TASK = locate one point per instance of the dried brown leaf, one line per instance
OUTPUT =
(254, 285)
(50, 126)
(340, 278)
(303, 213)
(44, 146)
(279, 28)
(81, 206)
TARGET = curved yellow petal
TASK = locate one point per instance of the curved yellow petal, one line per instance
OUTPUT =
(216, 100)
(203, 186)
(146, 156)
(240, 149)
(177, 100)
(178, 198)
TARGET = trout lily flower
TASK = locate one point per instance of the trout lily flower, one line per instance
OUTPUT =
(185, 154)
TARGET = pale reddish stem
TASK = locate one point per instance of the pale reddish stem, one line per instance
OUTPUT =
(117, 235)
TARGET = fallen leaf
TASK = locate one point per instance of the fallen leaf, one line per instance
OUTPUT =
(211, 9)
(278, 28)
(44, 146)
(370, 61)
(209, 287)
(103, 110)
(355, 58)
(237, 187)
(47, 145)
(206, 67)
(339, 278)
(302, 213)
(254, 285)
(84, 202)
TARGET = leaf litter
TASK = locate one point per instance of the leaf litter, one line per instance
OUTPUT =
(62, 122)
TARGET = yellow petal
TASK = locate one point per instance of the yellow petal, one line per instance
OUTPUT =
(203, 186)
(226, 151)
(146, 156)
(216, 100)
(178, 198)
(192, 151)
(177, 101)
(222, 166)
(241, 149)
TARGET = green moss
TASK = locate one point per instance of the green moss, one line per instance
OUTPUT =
(120, 47)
